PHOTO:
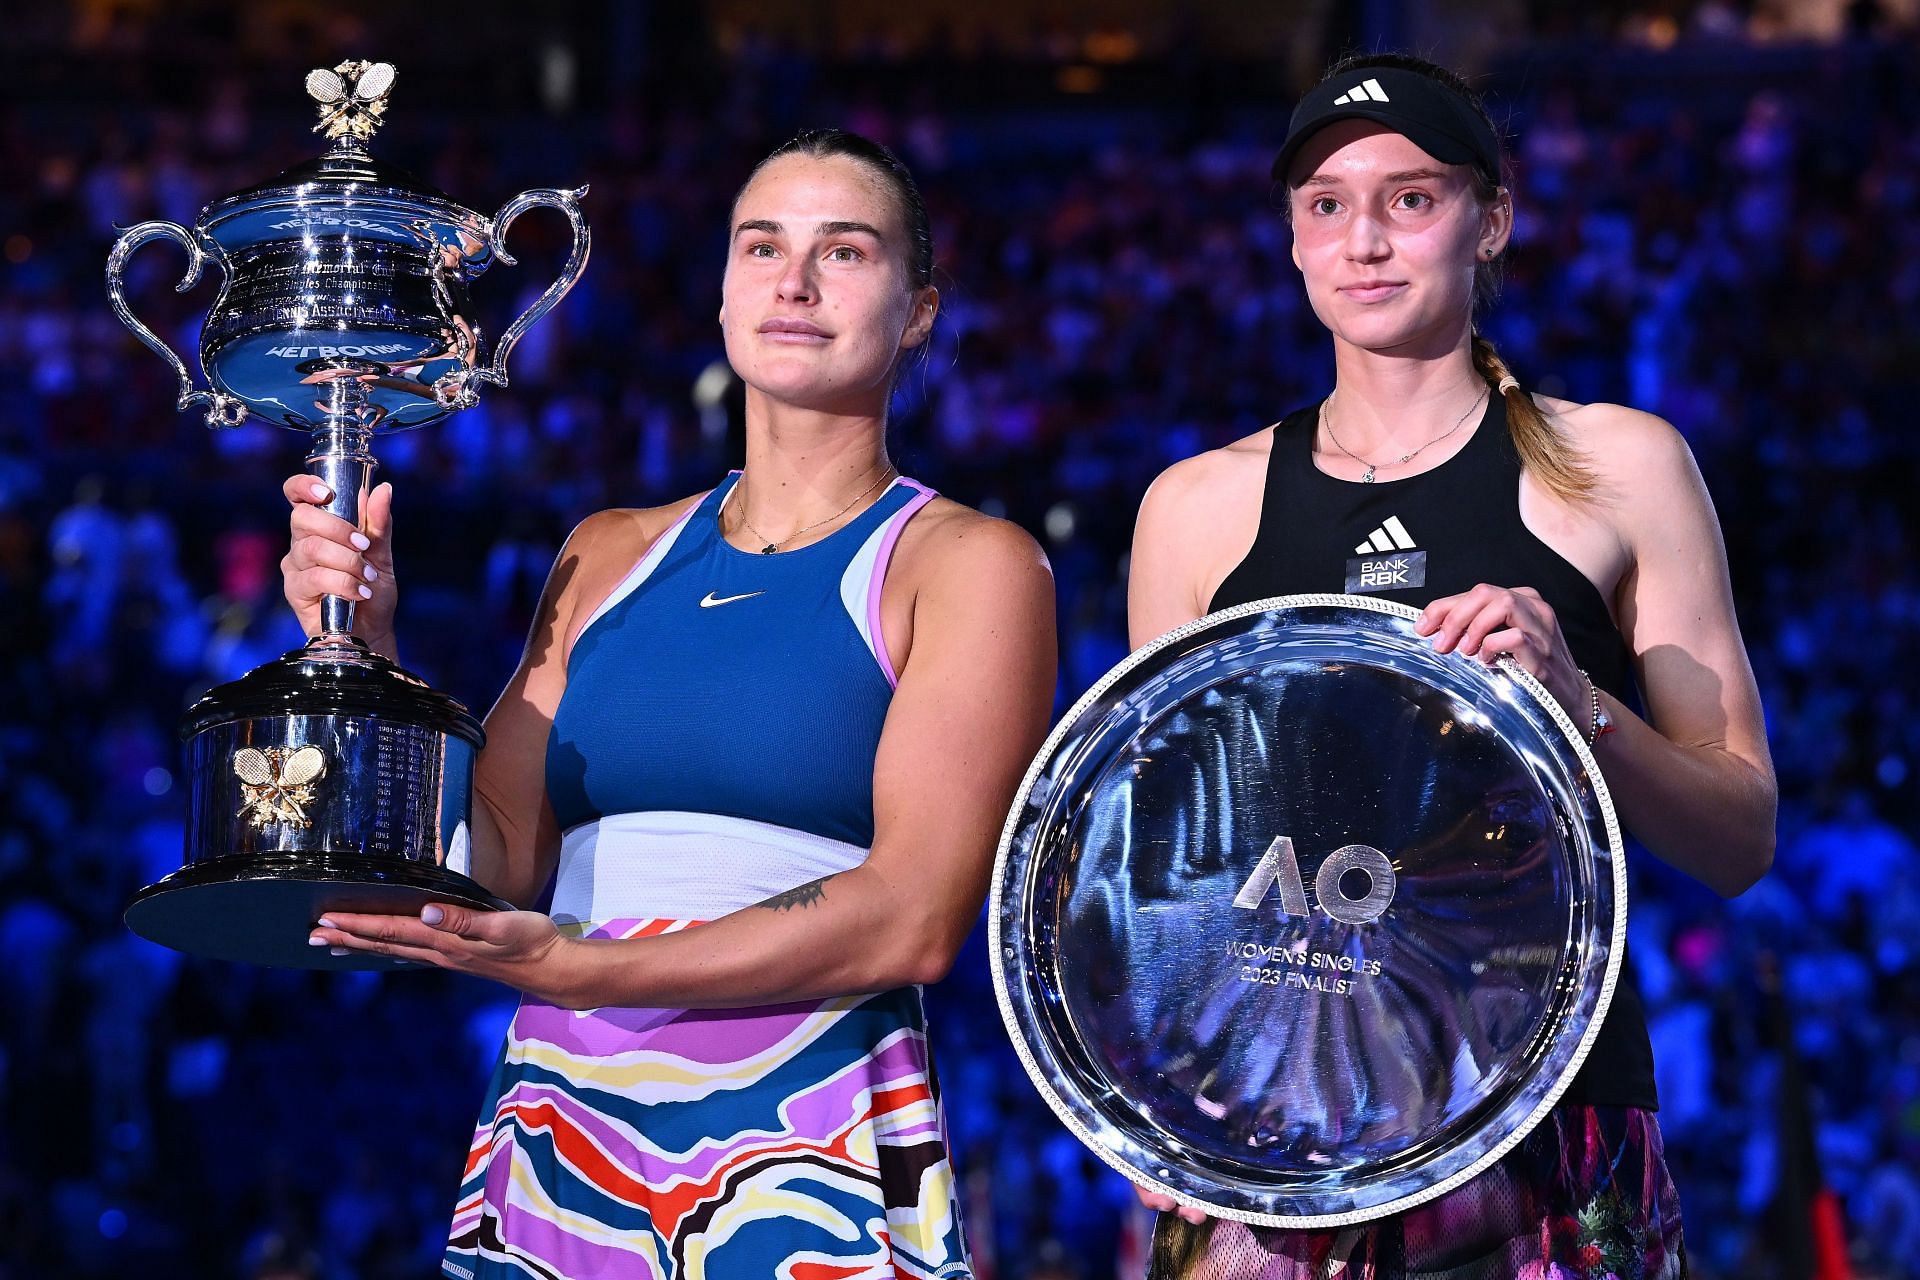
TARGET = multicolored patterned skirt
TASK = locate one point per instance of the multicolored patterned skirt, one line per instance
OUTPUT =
(800, 1141)
(1584, 1196)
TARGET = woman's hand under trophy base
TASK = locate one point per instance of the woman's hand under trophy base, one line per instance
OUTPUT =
(523, 949)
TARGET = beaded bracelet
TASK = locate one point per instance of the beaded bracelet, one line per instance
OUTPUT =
(1600, 724)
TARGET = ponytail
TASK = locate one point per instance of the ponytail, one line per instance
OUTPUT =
(1178, 1247)
(1544, 450)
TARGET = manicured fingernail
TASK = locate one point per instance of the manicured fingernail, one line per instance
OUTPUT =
(325, 923)
(370, 573)
(340, 951)
(432, 915)
(321, 491)
(360, 541)
(366, 593)
(316, 941)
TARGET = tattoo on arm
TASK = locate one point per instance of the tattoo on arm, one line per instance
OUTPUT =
(804, 895)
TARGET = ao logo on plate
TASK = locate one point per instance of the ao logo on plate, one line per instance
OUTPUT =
(1281, 865)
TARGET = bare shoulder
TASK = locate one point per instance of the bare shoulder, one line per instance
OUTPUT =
(1199, 518)
(617, 531)
(1634, 453)
(1224, 477)
(604, 546)
(950, 540)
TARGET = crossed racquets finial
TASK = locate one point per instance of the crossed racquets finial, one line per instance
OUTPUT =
(352, 97)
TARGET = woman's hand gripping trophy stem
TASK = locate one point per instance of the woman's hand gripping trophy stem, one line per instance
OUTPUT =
(329, 556)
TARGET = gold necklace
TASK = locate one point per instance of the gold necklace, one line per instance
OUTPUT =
(1371, 467)
(773, 546)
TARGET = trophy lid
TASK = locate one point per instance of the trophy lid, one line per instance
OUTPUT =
(352, 101)
(343, 165)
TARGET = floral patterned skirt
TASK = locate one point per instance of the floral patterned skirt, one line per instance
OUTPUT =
(1585, 1196)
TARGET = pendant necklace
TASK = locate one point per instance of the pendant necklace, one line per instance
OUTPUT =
(772, 546)
(1371, 467)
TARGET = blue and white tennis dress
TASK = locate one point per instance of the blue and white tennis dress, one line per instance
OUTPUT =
(714, 747)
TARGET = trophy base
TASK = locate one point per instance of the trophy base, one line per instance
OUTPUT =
(259, 908)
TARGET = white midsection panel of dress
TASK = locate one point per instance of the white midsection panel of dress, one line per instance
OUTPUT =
(674, 865)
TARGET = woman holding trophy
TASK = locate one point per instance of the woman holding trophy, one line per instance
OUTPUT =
(762, 740)
(1577, 539)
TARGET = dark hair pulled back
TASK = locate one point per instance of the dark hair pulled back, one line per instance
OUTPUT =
(821, 143)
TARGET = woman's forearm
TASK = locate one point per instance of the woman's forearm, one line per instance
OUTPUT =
(1700, 809)
(849, 933)
(491, 859)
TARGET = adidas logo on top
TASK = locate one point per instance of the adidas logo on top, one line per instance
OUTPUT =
(1387, 561)
(1390, 536)
(1367, 90)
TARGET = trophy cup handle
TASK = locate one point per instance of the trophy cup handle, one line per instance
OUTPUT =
(553, 198)
(222, 410)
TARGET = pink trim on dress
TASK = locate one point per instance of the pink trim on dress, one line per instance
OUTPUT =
(894, 528)
(641, 571)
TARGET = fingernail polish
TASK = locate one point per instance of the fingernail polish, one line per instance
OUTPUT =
(370, 573)
(366, 593)
(360, 541)
(325, 923)
(321, 492)
(341, 951)
(316, 942)
(432, 915)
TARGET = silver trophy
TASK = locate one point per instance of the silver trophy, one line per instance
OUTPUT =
(331, 779)
(1303, 923)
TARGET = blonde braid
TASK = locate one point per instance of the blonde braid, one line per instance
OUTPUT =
(1544, 450)
(1179, 1247)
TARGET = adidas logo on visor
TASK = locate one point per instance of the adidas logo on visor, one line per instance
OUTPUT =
(1367, 90)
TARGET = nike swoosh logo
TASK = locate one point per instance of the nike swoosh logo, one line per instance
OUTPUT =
(710, 600)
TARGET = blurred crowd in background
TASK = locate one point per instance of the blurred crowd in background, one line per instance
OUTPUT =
(1719, 222)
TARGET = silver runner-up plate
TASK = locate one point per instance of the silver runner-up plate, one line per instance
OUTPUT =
(1302, 923)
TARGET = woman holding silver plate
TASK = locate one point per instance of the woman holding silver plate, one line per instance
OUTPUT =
(764, 737)
(1576, 539)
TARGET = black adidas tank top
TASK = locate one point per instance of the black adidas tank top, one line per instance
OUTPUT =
(1413, 541)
